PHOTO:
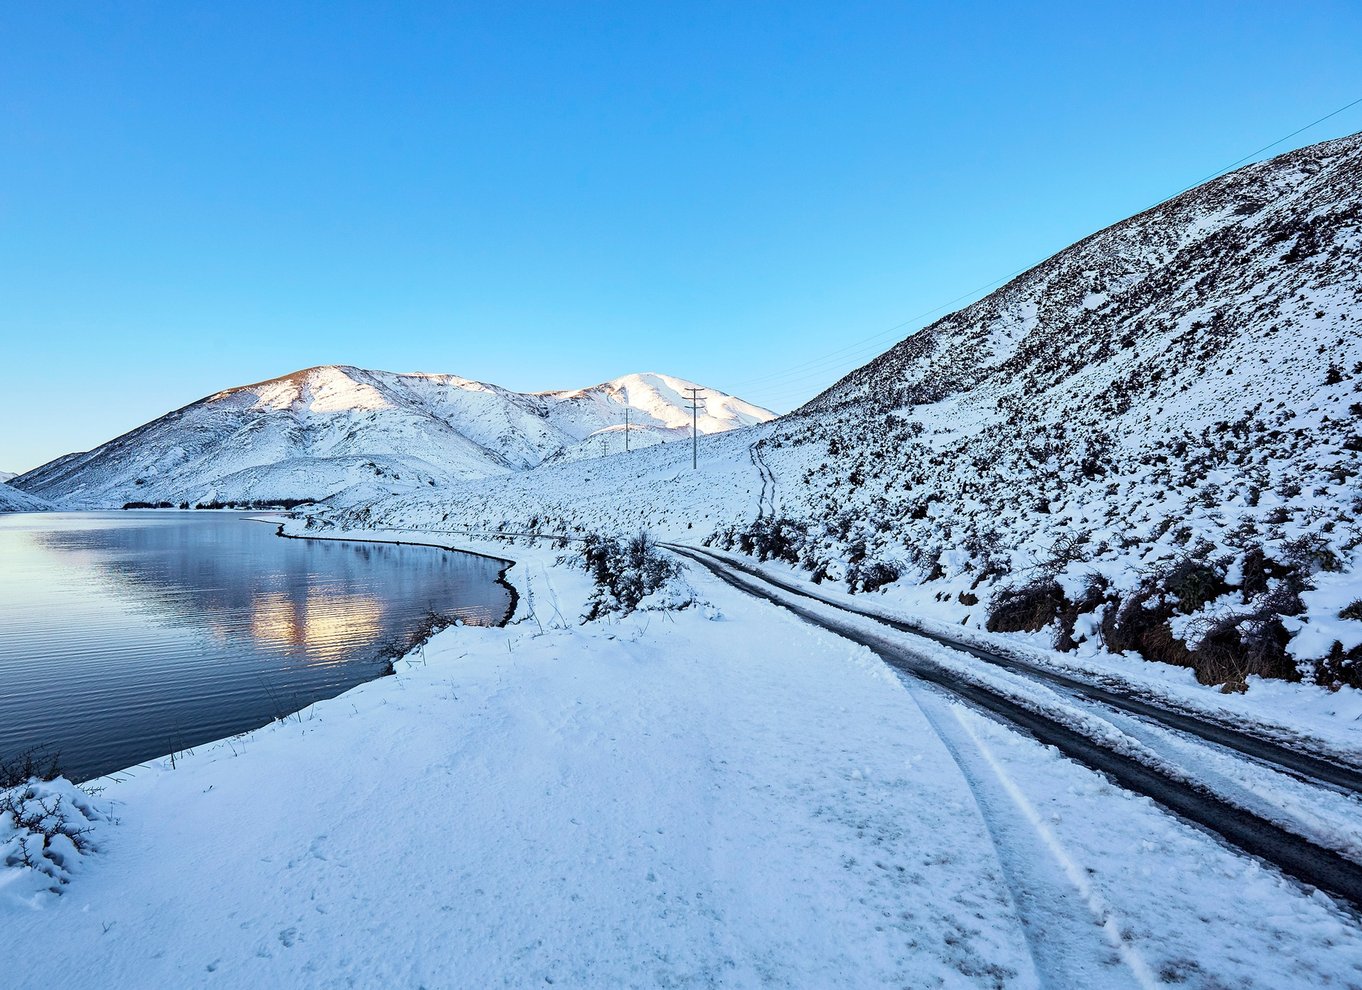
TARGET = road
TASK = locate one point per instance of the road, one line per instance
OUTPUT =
(1167, 774)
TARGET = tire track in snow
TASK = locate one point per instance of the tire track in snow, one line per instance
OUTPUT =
(1331, 772)
(766, 501)
(1266, 840)
(1055, 928)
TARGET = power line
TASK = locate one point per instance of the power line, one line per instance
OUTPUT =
(860, 344)
(1254, 154)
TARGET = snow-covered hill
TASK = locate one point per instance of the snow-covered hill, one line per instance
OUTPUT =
(13, 500)
(1151, 442)
(334, 429)
(5, 476)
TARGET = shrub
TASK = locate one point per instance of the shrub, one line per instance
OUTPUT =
(1193, 584)
(773, 539)
(1140, 622)
(871, 575)
(46, 826)
(1236, 647)
(1311, 553)
(1259, 569)
(624, 573)
(1026, 608)
(1340, 668)
(31, 764)
(1094, 595)
(1352, 611)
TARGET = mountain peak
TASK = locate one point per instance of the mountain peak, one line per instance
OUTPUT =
(330, 428)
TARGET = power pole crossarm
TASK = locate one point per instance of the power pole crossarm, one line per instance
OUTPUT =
(695, 399)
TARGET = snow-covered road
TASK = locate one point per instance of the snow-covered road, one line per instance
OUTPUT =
(1308, 828)
(725, 796)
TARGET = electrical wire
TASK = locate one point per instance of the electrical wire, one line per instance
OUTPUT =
(783, 379)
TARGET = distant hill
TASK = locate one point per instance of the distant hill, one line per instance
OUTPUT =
(13, 500)
(322, 431)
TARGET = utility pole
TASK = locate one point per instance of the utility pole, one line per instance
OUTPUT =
(695, 399)
(626, 429)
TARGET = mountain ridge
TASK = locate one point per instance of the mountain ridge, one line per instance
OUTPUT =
(318, 431)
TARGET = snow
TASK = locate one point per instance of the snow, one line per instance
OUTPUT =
(339, 431)
(14, 500)
(1321, 625)
(719, 795)
(615, 806)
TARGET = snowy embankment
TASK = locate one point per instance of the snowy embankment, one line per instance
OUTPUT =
(717, 795)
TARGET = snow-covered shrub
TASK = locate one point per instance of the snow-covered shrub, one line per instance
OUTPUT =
(1238, 646)
(871, 575)
(46, 826)
(1224, 643)
(1026, 607)
(766, 538)
(1340, 668)
(1095, 593)
(627, 572)
(1192, 583)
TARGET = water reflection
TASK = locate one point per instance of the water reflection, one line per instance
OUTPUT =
(125, 635)
(277, 618)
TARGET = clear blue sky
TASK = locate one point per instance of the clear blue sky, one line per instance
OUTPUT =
(194, 196)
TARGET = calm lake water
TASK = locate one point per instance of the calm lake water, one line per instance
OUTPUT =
(127, 635)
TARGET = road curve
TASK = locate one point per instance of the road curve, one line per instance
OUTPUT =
(1293, 855)
(1317, 768)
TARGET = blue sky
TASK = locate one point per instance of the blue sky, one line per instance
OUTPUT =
(194, 196)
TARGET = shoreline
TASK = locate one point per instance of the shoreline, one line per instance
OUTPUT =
(501, 575)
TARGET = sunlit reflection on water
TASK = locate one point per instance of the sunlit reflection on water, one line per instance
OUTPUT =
(320, 622)
(126, 635)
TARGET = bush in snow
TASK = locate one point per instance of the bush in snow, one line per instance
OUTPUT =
(1224, 647)
(46, 827)
(767, 538)
(1340, 668)
(1027, 607)
(28, 765)
(628, 572)
(871, 575)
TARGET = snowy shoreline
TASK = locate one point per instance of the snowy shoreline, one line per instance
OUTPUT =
(720, 795)
(282, 533)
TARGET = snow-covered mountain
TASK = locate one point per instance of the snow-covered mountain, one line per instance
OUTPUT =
(1150, 442)
(5, 476)
(13, 500)
(326, 430)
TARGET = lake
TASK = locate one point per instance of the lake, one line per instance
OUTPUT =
(125, 636)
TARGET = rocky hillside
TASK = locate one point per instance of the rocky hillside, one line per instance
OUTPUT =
(330, 430)
(1151, 440)
(1149, 443)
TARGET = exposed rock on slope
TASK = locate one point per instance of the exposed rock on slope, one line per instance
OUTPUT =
(334, 429)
